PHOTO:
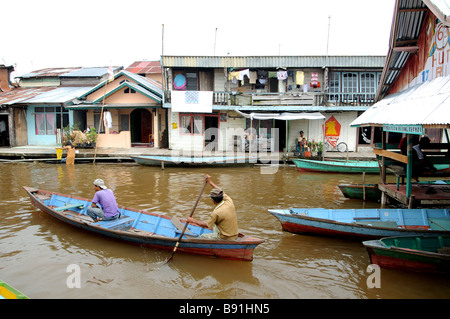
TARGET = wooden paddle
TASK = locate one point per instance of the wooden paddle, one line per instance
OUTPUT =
(186, 224)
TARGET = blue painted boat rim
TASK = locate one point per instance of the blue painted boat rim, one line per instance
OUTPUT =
(360, 221)
(338, 163)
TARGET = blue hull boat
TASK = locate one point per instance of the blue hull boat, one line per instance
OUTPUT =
(364, 223)
(143, 228)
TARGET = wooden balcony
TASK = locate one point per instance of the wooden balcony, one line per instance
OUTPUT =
(288, 99)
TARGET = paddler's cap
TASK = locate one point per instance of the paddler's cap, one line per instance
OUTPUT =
(100, 183)
(216, 192)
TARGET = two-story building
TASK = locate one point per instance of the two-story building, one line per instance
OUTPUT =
(211, 100)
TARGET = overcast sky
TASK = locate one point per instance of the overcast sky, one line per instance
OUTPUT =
(54, 33)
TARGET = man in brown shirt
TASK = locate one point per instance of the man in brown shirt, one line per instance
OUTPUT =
(223, 219)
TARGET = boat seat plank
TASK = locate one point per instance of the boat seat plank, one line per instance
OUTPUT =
(66, 207)
(124, 222)
(78, 216)
(179, 225)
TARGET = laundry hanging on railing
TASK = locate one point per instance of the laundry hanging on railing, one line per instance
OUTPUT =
(299, 78)
(314, 79)
(192, 101)
(282, 75)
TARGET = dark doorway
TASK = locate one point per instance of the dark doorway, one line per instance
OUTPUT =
(211, 133)
(141, 127)
(280, 140)
(4, 130)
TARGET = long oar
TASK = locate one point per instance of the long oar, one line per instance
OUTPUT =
(185, 225)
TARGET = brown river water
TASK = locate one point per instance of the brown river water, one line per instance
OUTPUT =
(36, 250)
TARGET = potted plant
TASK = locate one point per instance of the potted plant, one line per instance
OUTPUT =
(91, 137)
(319, 148)
(68, 136)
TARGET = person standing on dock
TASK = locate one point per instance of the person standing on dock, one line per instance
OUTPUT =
(70, 158)
(223, 219)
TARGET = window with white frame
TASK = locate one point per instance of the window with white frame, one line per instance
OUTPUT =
(368, 85)
(334, 87)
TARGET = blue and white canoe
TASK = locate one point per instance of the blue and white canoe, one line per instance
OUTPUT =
(143, 228)
(192, 161)
(364, 223)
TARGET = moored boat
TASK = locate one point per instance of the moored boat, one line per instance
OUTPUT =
(192, 161)
(143, 228)
(364, 223)
(418, 253)
(361, 191)
(370, 167)
(9, 292)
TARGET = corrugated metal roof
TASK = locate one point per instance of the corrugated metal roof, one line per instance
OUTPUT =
(42, 95)
(408, 18)
(145, 67)
(427, 103)
(273, 61)
(19, 95)
(90, 72)
(48, 72)
(59, 95)
(70, 72)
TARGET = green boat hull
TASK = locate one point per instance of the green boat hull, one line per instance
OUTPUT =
(370, 167)
(359, 191)
(430, 254)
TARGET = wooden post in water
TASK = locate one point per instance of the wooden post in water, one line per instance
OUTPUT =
(364, 186)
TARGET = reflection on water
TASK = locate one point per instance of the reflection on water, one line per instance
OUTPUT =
(36, 249)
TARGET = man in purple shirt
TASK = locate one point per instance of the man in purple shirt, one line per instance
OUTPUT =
(104, 206)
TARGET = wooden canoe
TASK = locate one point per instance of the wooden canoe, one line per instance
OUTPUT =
(9, 292)
(305, 165)
(429, 254)
(191, 161)
(364, 223)
(143, 228)
(357, 191)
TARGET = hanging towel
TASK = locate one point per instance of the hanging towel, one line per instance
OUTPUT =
(253, 77)
(314, 79)
(282, 75)
(299, 78)
(107, 119)
(233, 75)
(244, 73)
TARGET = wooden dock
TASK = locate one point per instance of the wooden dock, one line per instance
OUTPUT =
(421, 194)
